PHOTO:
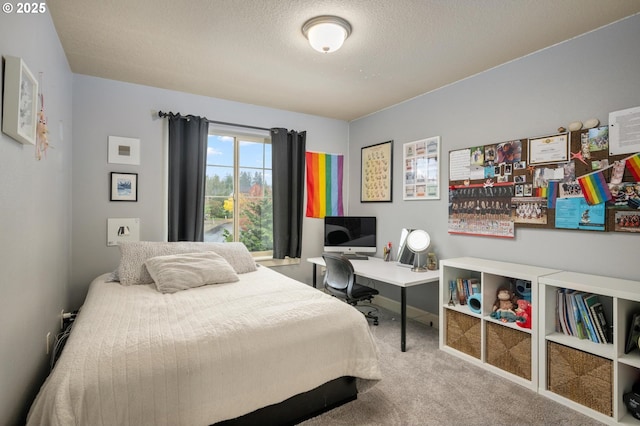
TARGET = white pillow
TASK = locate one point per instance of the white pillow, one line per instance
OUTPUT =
(133, 254)
(184, 271)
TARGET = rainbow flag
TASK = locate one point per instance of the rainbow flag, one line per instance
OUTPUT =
(594, 188)
(633, 164)
(541, 192)
(552, 194)
(324, 184)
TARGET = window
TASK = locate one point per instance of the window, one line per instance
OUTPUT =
(238, 192)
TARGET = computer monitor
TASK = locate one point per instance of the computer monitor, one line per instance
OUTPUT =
(350, 234)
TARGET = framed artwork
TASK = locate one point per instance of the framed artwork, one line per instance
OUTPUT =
(122, 229)
(20, 103)
(421, 174)
(124, 186)
(124, 150)
(376, 173)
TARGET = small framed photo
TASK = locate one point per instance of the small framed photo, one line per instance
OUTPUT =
(124, 186)
(20, 103)
(124, 150)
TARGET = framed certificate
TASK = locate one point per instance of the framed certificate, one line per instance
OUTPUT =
(549, 149)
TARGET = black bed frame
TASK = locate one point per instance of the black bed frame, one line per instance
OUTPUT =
(301, 407)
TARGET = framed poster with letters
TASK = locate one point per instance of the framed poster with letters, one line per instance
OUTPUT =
(376, 173)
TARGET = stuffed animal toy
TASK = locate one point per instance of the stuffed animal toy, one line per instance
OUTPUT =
(523, 313)
(504, 306)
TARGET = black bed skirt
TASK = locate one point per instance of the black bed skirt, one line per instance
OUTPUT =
(301, 407)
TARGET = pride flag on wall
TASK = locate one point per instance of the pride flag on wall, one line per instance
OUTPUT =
(633, 164)
(552, 194)
(324, 184)
(594, 188)
(542, 192)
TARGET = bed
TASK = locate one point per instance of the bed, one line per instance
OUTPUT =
(204, 354)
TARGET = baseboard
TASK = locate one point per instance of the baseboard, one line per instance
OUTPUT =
(414, 313)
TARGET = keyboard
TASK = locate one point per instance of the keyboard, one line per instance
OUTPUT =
(351, 256)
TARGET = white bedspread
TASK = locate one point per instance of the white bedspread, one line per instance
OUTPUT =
(199, 356)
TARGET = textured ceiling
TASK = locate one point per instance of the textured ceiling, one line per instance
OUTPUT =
(253, 51)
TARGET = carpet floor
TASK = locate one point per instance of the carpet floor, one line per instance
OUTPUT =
(426, 386)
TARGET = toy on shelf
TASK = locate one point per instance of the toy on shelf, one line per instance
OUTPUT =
(523, 313)
(505, 305)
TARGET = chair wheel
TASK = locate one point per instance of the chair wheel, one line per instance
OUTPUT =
(375, 322)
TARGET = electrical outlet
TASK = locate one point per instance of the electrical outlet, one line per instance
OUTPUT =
(48, 342)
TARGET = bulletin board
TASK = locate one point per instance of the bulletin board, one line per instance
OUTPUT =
(537, 183)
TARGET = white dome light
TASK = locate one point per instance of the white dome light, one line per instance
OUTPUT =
(326, 34)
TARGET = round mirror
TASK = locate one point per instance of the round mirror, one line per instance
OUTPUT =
(418, 241)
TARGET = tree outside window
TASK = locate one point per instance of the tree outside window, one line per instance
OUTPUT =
(238, 192)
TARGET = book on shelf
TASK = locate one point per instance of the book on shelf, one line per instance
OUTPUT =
(575, 323)
(475, 285)
(462, 297)
(590, 301)
(601, 322)
(581, 328)
(562, 308)
(587, 320)
(558, 315)
(463, 288)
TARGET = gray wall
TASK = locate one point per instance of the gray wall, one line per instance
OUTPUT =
(103, 108)
(533, 96)
(35, 220)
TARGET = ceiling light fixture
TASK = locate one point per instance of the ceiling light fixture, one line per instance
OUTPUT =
(326, 33)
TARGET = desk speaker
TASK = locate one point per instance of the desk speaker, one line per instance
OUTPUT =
(475, 303)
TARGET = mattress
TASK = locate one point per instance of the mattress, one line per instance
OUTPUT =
(140, 357)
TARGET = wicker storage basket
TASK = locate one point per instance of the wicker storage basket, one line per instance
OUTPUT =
(463, 332)
(581, 377)
(509, 349)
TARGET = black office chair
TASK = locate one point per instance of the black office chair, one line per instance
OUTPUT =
(340, 281)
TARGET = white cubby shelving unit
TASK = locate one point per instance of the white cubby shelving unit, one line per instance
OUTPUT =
(469, 335)
(583, 375)
(621, 300)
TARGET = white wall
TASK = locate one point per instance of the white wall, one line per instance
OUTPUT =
(102, 108)
(35, 220)
(533, 96)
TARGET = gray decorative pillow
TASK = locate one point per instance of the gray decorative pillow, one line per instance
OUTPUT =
(132, 270)
(184, 271)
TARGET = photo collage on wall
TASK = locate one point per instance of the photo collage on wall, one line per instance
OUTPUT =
(564, 181)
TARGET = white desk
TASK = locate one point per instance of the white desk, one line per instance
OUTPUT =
(388, 272)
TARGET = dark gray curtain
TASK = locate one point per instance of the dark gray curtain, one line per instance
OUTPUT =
(187, 170)
(288, 156)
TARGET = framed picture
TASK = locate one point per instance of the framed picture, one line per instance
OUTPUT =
(124, 150)
(421, 174)
(122, 229)
(376, 173)
(124, 186)
(20, 103)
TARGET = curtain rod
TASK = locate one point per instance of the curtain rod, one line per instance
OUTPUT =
(169, 114)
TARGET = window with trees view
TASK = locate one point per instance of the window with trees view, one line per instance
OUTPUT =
(238, 195)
